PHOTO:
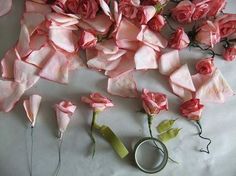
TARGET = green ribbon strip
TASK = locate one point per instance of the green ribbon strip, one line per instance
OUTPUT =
(114, 140)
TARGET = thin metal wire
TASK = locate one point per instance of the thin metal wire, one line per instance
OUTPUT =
(60, 141)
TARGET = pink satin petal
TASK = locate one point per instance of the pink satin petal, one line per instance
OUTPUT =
(22, 46)
(107, 47)
(199, 79)
(128, 45)
(216, 89)
(182, 78)
(152, 39)
(145, 58)
(105, 8)
(11, 93)
(37, 7)
(25, 73)
(37, 41)
(56, 69)
(181, 92)
(32, 21)
(31, 107)
(75, 61)
(62, 19)
(126, 65)
(5, 6)
(7, 63)
(169, 62)
(63, 38)
(123, 85)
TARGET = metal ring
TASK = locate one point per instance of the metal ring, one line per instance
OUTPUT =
(161, 147)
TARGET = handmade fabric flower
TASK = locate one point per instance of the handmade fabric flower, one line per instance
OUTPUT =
(64, 111)
(227, 24)
(71, 5)
(205, 66)
(208, 34)
(128, 9)
(201, 10)
(230, 53)
(183, 11)
(99, 103)
(216, 6)
(179, 39)
(157, 23)
(88, 9)
(153, 102)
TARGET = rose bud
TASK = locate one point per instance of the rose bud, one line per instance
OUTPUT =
(208, 34)
(230, 53)
(192, 109)
(205, 66)
(87, 40)
(227, 25)
(72, 6)
(216, 6)
(128, 9)
(157, 23)
(179, 39)
(201, 10)
(88, 9)
(183, 11)
(154, 102)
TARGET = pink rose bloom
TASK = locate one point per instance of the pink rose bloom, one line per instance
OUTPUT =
(157, 23)
(230, 53)
(87, 40)
(201, 11)
(227, 25)
(154, 102)
(88, 9)
(205, 66)
(179, 39)
(145, 13)
(128, 9)
(216, 6)
(208, 34)
(97, 101)
(183, 11)
(191, 109)
(72, 6)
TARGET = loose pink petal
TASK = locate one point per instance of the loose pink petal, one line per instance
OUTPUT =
(62, 19)
(63, 38)
(216, 89)
(75, 61)
(169, 62)
(31, 107)
(117, 15)
(22, 46)
(105, 8)
(37, 7)
(5, 6)
(7, 63)
(145, 58)
(123, 85)
(107, 47)
(182, 78)
(56, 69)
(128, 45)
(32, 21)
(181, 92)
(25, 73)
(38, 40)
(199, 79)
(152, 39)
(11, 92)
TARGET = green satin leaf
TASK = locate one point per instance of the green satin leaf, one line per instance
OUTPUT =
(115, 142)
(170, 134)
(165, 125)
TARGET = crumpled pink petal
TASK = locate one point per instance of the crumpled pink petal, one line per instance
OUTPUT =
(169, 62)
(123, 85)
(56, 69)
(105, 8)
(7, 63)
(152, 39)
(31, 107)
(5, 6)
(11, 92)
(216, 89)
(25, 73)
(145, 58)
(22, 46)
(181, 83)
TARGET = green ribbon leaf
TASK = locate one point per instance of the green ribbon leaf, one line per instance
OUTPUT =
(115, 141)
(165, 125)
(170, 134)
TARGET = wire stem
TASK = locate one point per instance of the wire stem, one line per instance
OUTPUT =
(59, 156)
(91, 130)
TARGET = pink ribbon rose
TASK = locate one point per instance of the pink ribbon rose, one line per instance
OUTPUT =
(128, 9)
(179, 39)
(205, 66)
(227, 25)
(157, 23)
(97, 101)
(88, 9)
(230, 53)
(192, 109)
(154, 102)
(87, 40)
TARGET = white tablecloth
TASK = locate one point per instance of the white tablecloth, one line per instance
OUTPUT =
(218, 122)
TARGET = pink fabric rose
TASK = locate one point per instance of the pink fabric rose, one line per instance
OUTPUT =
(153, 2)
(216, 6)
(183, 11)
(154, 102)
(201, 11)
(192, 109)
(230, 53)
(87, 40)
(145, 13)
(88, 9)
(179, 39)
(72, 6)
(97, 101)
(227, 25)
(208, 34)
(157, 23)
(128, 9)
(205, 66)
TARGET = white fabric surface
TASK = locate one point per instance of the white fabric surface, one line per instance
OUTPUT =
(218, 123)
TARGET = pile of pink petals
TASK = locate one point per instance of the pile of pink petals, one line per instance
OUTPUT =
(117, 38)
